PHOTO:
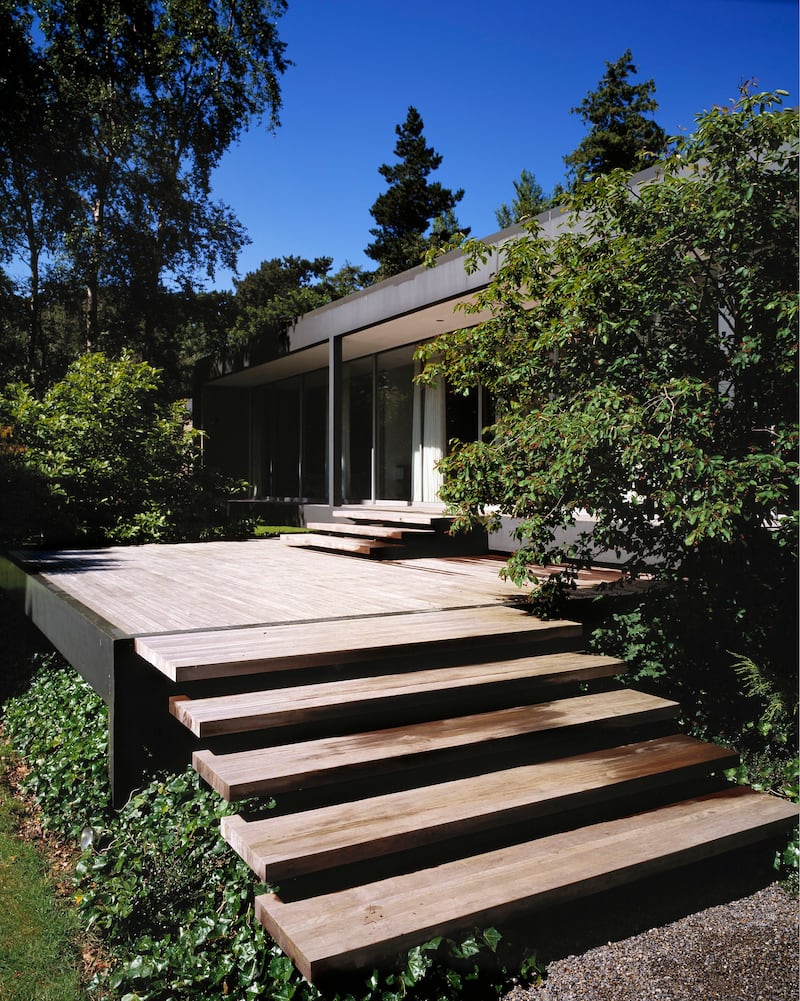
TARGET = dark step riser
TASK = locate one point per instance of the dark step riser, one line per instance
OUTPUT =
(438, 546)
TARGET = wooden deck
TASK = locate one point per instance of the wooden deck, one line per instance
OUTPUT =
(216, 585)
(440, 757)
(114, 612)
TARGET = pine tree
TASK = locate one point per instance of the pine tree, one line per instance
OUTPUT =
(444, 227)
(405, 211)
(529, 201)
(620, 133)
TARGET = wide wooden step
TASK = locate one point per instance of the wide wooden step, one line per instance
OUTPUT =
(390, 532)
(192, 656)
(341, 544)
(266, 771)
(280, 848)
(355, 928)
(210, 717)
(394, 516)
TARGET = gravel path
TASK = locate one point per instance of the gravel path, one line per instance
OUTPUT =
(746, 950)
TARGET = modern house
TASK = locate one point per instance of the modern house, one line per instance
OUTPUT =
(335, 417)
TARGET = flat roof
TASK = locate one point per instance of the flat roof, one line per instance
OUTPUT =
(408, 308)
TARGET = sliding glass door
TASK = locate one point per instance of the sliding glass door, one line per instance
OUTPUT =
(393, 430)
(358, 406)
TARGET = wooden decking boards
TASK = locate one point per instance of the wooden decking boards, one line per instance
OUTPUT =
(355, 927)
(209, 717)
(360, 547)
(393, 516)
(152, 589)
(284, 847)
(440, 758)
(396, 532)
(316, 762)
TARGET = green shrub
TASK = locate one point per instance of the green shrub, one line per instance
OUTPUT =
(272, 531)
(115, 457)
(175, 901)
(677, 643)
(58, 726)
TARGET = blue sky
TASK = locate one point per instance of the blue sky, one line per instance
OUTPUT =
(493, 81)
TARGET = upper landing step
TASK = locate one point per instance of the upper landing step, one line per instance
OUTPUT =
(422, 517)
(194, 656)
(386, 532)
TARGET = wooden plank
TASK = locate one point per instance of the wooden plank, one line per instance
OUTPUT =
(210, 717)
(149, 589)
(331, 759)
(386, 516)
(218, 653)
(356, 927)
(343, 544)
(279, 848)
(371, 531)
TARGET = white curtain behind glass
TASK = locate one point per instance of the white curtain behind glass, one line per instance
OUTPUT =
(429, 442)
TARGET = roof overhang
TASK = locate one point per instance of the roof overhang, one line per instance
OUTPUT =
(409, 308)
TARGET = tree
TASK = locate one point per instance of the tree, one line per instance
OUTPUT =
(203, 324)
(270, 298)
(348, 279)
(37, 180)
(643, 365)
(405, 211)
(154, 94)
(621, 135)
(102, 457)
(529, 200)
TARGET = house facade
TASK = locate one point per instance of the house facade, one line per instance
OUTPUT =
(335, 416)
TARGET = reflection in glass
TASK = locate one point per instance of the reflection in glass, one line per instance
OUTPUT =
(357, 405)
(395, 396)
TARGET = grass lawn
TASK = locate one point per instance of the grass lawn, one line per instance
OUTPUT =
(272, 531)
(38, 951)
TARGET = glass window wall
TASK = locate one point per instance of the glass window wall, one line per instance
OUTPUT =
(357, 420)
(295, 437)
(395, 412)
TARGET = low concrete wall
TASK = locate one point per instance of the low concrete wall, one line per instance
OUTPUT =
(504, 540)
